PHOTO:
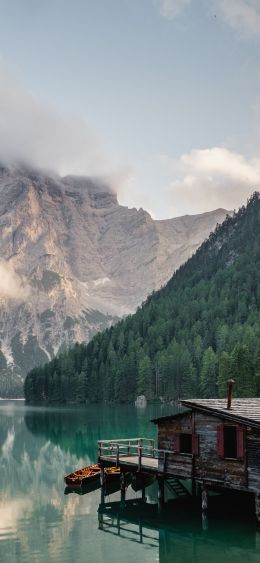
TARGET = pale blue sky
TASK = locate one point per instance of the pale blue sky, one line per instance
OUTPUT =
(153, 85)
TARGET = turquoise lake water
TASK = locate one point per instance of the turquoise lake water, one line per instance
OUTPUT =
(39, 523)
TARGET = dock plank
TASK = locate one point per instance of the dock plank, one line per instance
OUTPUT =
(147, 462)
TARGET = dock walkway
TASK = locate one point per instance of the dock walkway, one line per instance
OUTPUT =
(136, 454)
(151, 464)
(140, 456)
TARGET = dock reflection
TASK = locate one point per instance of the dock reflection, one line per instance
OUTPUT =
(179, 533)
(126, 523)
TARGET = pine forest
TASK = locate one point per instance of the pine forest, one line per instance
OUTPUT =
(186, 340)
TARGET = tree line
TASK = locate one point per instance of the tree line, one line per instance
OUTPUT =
(186, 340)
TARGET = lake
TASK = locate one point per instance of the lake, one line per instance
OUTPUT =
(39, 523)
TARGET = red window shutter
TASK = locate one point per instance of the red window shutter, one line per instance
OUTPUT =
(240, 442)
(221, 440)
(177, 443)
(195, 444)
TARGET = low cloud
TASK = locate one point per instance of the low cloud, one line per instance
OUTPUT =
(171, 9)
(11, 285)
(34, 132)
(210, 178)
(241, 15)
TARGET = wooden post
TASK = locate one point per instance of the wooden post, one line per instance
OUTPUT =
(204, 506)
(204, 498)
(139, 457)
(141, 531)
(164, 461)
(102, 475)
(257, 506)
(100, 520)
(102, 483)
(197, 489)
(160, 493)
(117, 456)
(205, 521)
(122, 488)
(143, 489)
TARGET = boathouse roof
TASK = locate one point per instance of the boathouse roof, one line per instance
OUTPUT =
(246, 411)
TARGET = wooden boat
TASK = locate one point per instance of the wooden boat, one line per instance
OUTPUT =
(84, 488)
(89, 474)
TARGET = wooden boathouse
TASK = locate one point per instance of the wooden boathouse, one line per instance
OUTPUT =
(214, 443)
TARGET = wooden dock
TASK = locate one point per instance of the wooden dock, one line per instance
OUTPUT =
(135, 454)
(132, 461)
(140, 454)
(215, 444)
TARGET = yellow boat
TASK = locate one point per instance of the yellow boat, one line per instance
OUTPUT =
(89, 474)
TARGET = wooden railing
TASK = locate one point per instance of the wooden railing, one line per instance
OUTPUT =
(142, 448)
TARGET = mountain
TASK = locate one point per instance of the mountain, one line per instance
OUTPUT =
(72, 261)
(187, 339)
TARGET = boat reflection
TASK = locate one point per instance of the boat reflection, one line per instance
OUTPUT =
(110, 488)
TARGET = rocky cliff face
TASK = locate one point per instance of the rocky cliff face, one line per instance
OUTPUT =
(72, 260)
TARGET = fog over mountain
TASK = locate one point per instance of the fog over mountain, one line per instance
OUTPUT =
(72, 260)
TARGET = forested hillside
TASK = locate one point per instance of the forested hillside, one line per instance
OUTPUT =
(186, 340)
(79, 262)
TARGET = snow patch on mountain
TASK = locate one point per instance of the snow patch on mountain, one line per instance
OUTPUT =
(73, 261)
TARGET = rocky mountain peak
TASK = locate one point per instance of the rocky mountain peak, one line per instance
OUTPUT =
(77, 260)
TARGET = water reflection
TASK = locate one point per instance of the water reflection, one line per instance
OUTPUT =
(78, 430)
(178, 532)
(37, 448)
(38, 523)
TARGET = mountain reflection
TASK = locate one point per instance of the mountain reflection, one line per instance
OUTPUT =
(37, 448)
(38, 522)
(31, 495)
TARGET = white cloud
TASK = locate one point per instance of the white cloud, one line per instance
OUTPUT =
(172, 8)
(221, 161)
(209, 178)
(196, 182)
(34, 132)
(11, 285)
(241, 15)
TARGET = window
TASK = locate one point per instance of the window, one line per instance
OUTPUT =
(185, 443)
(230, 441)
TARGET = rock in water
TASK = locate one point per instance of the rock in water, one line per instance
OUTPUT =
(141, 401)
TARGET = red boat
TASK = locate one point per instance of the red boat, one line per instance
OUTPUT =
(89, 474)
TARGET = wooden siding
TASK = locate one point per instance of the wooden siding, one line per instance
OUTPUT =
(179, 465)
(208, 464)
(253, 459)
(176, 464)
